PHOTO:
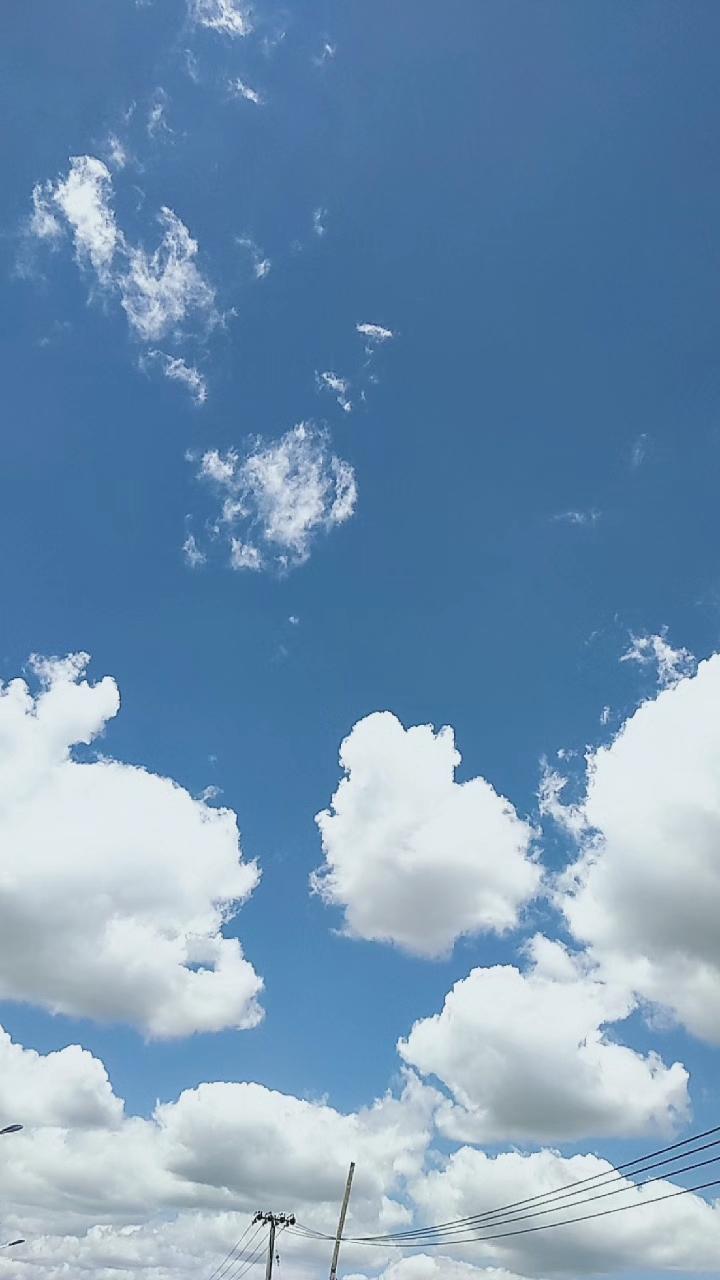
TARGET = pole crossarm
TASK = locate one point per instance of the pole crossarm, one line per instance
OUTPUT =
(273, 1220)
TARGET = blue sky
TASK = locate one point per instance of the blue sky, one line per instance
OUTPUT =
(425, 342)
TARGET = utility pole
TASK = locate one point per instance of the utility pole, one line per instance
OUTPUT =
(275, 1220)
(341, 1222)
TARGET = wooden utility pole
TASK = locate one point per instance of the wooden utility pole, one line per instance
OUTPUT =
(274, 1220)
(341, 1223)
(271, 1251)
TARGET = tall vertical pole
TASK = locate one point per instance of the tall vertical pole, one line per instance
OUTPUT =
(341, 1223)
(271, 1249)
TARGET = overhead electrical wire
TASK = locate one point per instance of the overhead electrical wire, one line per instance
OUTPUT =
(248, 1262)
(550, 1201)
(231, 1258)
(544, 1226)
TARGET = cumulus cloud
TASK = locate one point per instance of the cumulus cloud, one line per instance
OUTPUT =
(422, 1266)
(679, 1234)
(159, 289)
(115, 883)
(93, 1188)
(412, 856)
(644, 892)
(528, 1056)
(66, 1089)
(228, 17)
(278, 497)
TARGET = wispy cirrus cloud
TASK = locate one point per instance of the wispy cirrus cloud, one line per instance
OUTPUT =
(339, 387)
(176, 369)
(161, 289)
(277, 498)
(578, 517)
(239, 89)
(261, 264)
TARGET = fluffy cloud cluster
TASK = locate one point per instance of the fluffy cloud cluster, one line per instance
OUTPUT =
(421, 1266)
(91, 1188)
(97, 1192)
(412, 856)
(677, 1234)
(526, 1056)
(279, 497)
(115, 883)
(159, 290)
(644, 894)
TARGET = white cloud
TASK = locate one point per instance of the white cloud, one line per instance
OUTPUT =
(328, 51)
(157, 115)
(228, 17)
(242, 90)
(528, 1056)
(578, 517)
(423, 1266)
(66, 1089)
(243, 555)
(261, 264)
(83, 199)
(374, 333)
(319, 216)
(338, 386)
(178, 371)
(644, 894)
(43, 222)
(94, 1190)
(672, 664)
(282, 494)
(639, 450)
(414, 857)
(194, 557)
(115, 882)
(680, 1234)
(117, 153)
(158, 290)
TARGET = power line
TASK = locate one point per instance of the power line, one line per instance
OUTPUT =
(549, 1201)
(249, 1262)
(545, 1226)
(230, 1258)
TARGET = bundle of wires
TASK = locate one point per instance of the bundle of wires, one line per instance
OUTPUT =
(551, 1205)
(239, 1260)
